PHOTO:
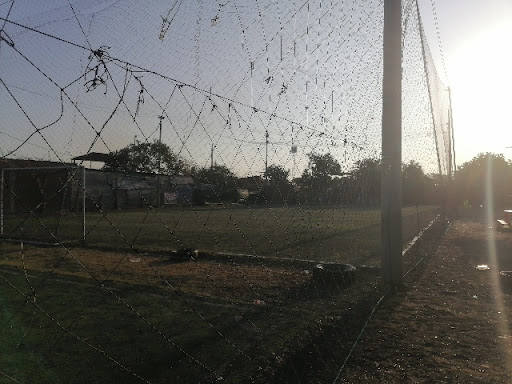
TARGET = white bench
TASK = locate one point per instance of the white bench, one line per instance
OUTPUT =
(502, 224)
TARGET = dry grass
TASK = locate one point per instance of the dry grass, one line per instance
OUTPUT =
(228, 280)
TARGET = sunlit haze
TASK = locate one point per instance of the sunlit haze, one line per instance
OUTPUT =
(476, 39)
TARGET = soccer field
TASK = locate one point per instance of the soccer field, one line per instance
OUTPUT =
(329, 234)
(125, 305)
(71, 312)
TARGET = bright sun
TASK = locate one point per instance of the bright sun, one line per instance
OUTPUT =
(481, 77)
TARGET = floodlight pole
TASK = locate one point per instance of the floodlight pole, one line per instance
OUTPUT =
(391, 177)
(161, 117)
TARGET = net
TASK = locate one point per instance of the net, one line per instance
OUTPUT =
(210, 174)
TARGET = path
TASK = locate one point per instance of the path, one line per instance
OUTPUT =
(451, 323)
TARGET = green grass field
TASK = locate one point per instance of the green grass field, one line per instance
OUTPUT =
(82, 331)
(162, 341)
(343, 235)
(103, 313)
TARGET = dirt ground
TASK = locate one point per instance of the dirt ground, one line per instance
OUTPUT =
(451, 323)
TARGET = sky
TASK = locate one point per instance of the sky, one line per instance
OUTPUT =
(476, 38)
(209, 46)
(306, 73)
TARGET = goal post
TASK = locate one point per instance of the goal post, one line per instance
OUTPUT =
(43, 204)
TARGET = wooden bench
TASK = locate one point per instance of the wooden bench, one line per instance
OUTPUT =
(502, 224)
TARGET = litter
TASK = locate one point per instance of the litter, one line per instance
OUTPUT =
(482, 267)
(135, 260)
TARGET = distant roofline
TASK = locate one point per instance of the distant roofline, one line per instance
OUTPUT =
(94, 156)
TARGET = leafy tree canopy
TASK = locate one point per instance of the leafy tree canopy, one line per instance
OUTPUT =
(487, 170)
(367, 168)
(416, 186)
(322, 166)
(317, 179)
(153, 157)
(277, 174)
(219, 175)
(412, 170)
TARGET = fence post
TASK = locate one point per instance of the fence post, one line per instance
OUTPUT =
(391, 181)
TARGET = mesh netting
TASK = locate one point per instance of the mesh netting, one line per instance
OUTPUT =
(205, 172)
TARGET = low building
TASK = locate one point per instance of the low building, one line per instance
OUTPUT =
(113, 190)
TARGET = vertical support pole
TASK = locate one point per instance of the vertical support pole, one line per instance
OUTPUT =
(2, 204)
(450, 203)
(452, 136)
(159, 161)
(211, 158)
(424, 54)
(12, 189)
(391, 187)
(83, 201)
(266, 157)
(450, 169)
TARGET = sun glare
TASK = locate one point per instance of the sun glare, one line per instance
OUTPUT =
(482, 81)
(503, 324)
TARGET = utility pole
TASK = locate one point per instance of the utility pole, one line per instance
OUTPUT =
(266, 157)
(158, 200)
(391, 183)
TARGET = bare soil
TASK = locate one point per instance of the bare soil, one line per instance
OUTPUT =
(451, 323)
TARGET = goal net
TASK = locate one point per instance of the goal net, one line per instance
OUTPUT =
(44, 204)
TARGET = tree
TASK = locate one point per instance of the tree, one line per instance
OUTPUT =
(279, 188)
(366, 180)
(414, 183)
(218, 175)
(153, 157)
(487, 170)
(223, 184)
(323, 166)
(317, 178)
(277, 175)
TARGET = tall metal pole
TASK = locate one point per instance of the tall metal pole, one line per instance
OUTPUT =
(452, 136)
(424, 54)
(266, 157)
(448, 127)
(159, 162)
(391, 187)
